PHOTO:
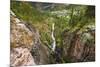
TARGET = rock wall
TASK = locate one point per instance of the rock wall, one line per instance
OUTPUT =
(26, 47)
(79, 47)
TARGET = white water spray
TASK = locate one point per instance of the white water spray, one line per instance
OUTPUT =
(53, 38)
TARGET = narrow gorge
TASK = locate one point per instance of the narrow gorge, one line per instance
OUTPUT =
(51, 33)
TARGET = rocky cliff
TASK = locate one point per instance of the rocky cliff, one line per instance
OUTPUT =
(26, 47)
(79, 47)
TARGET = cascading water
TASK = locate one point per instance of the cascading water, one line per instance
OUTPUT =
(53, 45)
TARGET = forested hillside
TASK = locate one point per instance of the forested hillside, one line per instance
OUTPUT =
(66, 31)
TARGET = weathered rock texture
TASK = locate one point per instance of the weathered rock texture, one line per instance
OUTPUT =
(21, 57)
(26, 47)
(79, 47)
(22, 41)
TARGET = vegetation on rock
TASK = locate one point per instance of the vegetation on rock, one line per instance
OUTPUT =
(74, 31)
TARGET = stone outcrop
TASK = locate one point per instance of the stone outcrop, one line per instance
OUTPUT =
(26, 47)
(22, 41)
(79, 47)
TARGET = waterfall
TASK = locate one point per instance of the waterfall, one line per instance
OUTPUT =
(53, 45)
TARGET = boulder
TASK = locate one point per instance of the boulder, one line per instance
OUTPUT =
(21, 57)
